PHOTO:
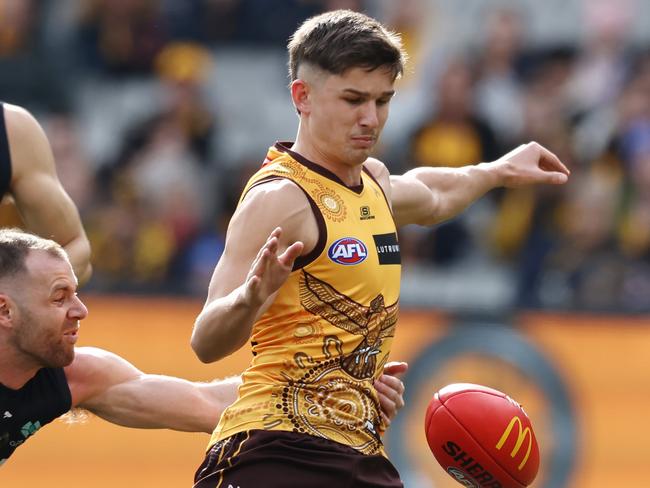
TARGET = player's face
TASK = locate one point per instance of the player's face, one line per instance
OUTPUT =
(49, 311)
(348, 113)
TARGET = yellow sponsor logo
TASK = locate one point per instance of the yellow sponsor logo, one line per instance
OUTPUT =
(522, 434)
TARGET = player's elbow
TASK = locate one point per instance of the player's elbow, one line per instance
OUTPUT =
(202, 352)
(79, 252)
(203, 356)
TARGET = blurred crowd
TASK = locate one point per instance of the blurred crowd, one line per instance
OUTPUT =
(125, 90)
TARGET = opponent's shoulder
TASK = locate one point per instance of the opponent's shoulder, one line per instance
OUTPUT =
(93, 355)
(88, 361)
(93, 370)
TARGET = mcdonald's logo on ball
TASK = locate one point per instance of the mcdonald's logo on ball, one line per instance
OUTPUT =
(523, 433)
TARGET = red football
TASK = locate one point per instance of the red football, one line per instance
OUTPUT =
(482, 437)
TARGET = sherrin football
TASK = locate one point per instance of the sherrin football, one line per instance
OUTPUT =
(482, 437)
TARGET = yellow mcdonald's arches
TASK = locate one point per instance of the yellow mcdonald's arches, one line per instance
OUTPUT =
(520, 439)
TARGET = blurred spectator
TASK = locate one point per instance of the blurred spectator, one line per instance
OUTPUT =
(161, 182)
(157, 189)
(499, 90)
(258, 22)
(184, 69)
(73, 167)
(601, 67)
(30, 75)
(526, 224)
(121, 37)
(452, 135)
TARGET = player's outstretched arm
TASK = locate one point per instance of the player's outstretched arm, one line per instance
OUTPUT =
(263, 241)
(112, 388)
(44, 206)
(427, 196)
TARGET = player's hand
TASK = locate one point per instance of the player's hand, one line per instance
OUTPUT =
(391, 390)
(531, 163)
(269, 270)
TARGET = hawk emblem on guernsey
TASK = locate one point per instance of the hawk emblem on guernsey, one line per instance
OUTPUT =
(374, 322)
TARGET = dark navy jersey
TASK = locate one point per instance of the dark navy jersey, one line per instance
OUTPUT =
(22, 412)
(5, 155)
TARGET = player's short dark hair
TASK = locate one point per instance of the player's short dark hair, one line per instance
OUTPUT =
(16, 244)
(342, 39)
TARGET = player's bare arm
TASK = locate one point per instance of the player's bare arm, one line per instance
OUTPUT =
(257, 259)
(115, 390)
(427, 196)
(44, 206)
(112, 388)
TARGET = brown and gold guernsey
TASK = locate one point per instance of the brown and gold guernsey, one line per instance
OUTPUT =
(328, 334)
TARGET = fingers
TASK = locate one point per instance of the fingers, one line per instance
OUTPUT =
(550, 162)
(386, 402)
(264, 255)
(546, 167)
(269, 251)
(392, 387)
(390, 391)
(262, 261)
(288, 257)
(395, 368)
(557, 178)
(290, 254)
(271, 244)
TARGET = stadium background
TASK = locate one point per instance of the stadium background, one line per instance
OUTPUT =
(158, 110)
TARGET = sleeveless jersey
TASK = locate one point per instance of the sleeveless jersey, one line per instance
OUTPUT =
(327, 335)
(22, 412)
(5, 155)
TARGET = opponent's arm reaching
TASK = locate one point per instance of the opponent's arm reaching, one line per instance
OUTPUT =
(112, 388)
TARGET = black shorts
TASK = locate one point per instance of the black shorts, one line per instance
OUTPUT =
(278, 459)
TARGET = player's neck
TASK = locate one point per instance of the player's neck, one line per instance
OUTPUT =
(14, 373)
(349, 174)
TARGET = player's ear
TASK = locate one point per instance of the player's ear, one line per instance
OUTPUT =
(300, 91)
(5, 310)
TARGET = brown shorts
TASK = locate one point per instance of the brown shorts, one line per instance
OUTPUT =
(277, 459)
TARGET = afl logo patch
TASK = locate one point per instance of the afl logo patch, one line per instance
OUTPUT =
(463, 478)
(348, 251)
